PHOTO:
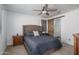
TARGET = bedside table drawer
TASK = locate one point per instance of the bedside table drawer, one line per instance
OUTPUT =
(17, 40)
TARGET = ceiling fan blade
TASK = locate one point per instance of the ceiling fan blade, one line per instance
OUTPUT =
(37, 10)
(43, 8)
(40, 13)
(47, 13)
(52, 10)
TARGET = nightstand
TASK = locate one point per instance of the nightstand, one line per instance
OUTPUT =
(45, 34)
(17, 40)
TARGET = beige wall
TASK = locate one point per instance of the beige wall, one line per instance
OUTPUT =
(3, 29)
(69, 25)
(15, 21)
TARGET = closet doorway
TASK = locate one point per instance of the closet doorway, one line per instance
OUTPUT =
(57, 27)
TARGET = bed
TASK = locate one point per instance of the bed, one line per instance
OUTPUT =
(38, 45)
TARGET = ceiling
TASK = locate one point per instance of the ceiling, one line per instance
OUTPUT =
(28, 8)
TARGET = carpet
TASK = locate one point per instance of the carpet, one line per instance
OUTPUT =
(20, 50)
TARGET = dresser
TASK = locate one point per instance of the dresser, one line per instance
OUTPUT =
(76, 44)
(17, 40)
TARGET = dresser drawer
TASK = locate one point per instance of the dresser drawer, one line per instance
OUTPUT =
(76, 44)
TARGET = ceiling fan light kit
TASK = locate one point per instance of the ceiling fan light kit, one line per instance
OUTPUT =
(44, 12)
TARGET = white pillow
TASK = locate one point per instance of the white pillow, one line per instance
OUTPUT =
(36, 33)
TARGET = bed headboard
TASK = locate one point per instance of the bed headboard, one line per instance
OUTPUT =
(30, 28)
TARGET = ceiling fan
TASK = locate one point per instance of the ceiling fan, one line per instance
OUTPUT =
(45, 10)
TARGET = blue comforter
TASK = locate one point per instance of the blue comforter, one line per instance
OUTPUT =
(40, 44)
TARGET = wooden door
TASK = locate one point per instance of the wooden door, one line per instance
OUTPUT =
(51, 27)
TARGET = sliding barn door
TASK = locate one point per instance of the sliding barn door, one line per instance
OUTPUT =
(51, 27)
